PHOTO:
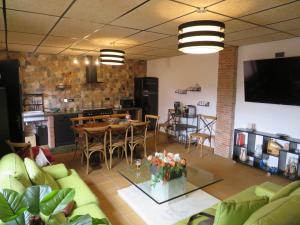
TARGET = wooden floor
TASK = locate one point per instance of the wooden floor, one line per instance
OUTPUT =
(105, 184)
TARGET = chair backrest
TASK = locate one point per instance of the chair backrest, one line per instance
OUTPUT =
(153, 121)
(15, 147)
(100, 118)
(120, 130)
(97, 133)
(208, 124)
(81, 120)
(138, 129)
(118, 115)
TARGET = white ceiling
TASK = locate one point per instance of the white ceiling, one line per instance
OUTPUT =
(145, 29)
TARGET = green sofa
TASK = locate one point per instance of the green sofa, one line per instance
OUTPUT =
(282, 207)
(13, 167)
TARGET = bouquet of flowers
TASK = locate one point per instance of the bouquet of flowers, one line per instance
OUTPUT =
(166, 166)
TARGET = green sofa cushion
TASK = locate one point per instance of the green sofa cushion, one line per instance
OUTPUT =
(57, 171)
(83, 195)
(241, 196)
(237, 212)
(9, 182)
(267, 189)
(38, 176)
(244, 195)
(295, 192)
(286, 190)
(92, 209)
(12, 164)
(283, 211)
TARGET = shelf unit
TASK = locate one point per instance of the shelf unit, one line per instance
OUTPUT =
(181, 125)
(33, 102)
(256, 144)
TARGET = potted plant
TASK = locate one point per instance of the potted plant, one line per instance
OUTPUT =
(27, 208)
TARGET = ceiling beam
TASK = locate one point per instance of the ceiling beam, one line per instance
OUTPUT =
(59, 19)
(5, 25)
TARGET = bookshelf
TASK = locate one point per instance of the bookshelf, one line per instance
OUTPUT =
(283, 161)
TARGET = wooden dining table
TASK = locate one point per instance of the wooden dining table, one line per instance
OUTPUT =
(80, 127)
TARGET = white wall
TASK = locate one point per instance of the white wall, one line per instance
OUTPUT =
(183, 71)
(268, 117)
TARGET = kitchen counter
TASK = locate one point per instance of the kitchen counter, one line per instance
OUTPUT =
(46, 114)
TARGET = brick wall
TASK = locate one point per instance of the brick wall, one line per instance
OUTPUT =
(226, 100)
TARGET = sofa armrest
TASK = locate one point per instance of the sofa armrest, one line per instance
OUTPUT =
(57, 171)
(267, 189)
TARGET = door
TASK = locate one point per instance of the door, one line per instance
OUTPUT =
(9, 78)
(4, 128)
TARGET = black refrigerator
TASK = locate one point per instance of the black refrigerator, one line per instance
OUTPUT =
(10, 81)
(146, 94)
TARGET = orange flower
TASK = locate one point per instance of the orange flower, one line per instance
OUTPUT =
(172, 163)
(183, 162)
(165, 152)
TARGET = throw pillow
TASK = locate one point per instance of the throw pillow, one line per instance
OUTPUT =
(237, 212)
(280, 212)
(41, 159)
(38, 176)
(9, 182)
(286, 190)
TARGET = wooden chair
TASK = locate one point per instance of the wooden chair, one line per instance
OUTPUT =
(95, 141)
(17, 147)
(78, 121)
(138, 137)
(206, 132)
(118, 134)
(153, 120)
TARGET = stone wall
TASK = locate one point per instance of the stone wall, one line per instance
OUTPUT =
(43, 73)
(226, 100)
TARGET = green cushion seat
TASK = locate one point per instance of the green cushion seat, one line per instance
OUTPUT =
(12, 164)
(83, 195)
(9, 182)
(38, 176)
(283, 211)
(235, 212)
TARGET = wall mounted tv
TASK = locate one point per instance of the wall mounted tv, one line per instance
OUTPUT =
(275, 81)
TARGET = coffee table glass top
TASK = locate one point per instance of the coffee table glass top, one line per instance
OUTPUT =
(165, 191)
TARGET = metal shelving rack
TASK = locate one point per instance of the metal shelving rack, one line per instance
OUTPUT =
(181, 125)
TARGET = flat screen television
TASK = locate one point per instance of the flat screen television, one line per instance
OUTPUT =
(275, 81)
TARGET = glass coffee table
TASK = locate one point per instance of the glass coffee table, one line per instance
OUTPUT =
(162, 192)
